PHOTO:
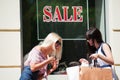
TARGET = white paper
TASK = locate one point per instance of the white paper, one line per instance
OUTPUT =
(73, 73)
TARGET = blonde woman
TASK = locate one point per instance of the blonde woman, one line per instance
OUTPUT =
(47, 52)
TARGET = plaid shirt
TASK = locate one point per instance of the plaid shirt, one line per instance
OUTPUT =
(35, 56)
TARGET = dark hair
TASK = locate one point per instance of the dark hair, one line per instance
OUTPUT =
(94, 34)
(58, 42)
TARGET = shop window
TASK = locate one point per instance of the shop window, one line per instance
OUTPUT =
(81, 14)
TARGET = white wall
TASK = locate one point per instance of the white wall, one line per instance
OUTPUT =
(113, 30)
(10, 42)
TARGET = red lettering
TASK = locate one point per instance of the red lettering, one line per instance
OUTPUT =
(57, 15)
(74, 13)
(77, 10)
(65, 12)
(47, 17)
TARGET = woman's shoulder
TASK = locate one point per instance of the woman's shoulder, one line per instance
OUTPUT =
(106, 45)
(37, 47)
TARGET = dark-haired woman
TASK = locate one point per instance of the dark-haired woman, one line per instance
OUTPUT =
(100, 52)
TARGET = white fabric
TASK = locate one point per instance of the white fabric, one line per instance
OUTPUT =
(101, 62)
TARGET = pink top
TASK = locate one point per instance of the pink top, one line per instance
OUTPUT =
(35, 56)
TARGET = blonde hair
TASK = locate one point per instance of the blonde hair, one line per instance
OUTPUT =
(53, 38)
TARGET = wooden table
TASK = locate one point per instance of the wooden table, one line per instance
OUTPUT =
(92, 73)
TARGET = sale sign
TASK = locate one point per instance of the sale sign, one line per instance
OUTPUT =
(57, 17)
(67, 18)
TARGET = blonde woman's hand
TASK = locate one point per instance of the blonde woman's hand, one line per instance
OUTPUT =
(51, 59)
(54, 65)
